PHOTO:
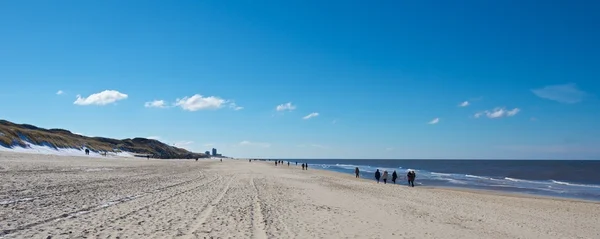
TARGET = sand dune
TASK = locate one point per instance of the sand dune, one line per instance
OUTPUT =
(72, 197)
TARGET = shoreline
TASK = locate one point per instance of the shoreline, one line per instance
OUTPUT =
(469, 190)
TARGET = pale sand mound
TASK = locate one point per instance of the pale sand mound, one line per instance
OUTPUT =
(70, 197)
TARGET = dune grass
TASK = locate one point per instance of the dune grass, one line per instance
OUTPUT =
(12, 134)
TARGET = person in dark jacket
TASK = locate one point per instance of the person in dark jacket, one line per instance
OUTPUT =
(394, 177)
(411, 175)
(377, 175)
(357, 172)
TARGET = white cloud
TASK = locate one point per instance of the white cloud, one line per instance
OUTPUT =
(198, 102)
(287, 106)
(208, 145)
(389, 149)
(311, 115)
(334, 121)
(464, 104)
(156, 104)
(235, 107)
(567, 93)
(153, 137)
(60, 92)
(255, 144)
(513, 112)
(497, 112)
(101, 98)
(434, 121)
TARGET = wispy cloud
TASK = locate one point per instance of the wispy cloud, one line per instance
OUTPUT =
(208, 145)
(199, 102)
(434, 121)
(334, 121)
(389, 149)
(59, 92)
(255, 144)
(235, 107)
(311, 115)
(498, 112)
(153, 137)
(566, 93)
(101, 98)
(156, 104)
(533, 119)
(464, 104)
(287, 106)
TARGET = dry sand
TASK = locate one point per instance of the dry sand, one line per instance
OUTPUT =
(71, 197)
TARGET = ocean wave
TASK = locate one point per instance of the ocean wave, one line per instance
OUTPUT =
(455, 181)
(575, 184)
(478, 177)
(524, 181)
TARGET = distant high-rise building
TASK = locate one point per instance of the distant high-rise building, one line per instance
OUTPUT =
(214, 152)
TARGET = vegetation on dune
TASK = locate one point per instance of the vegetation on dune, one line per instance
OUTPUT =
(19, 135)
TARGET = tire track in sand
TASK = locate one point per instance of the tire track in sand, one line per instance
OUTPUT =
(95, 208)
(258, 221)
(207, 211)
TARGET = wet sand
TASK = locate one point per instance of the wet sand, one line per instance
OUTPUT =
(80, 197)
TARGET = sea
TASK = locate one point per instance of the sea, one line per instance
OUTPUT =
(579, 179)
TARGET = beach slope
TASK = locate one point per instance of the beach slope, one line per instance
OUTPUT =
(73, 197)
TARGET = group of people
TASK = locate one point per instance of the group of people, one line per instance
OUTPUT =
(410, 176)
(281, 162)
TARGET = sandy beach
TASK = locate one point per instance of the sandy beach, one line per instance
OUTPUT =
(80, 197)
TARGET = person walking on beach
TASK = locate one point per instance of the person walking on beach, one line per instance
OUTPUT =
(411, 178)
(302, 166)
(377, 175)
(288, 164)
(357, 172)
(385, 176)
(394, 176)
(306, 166)
(275, 163)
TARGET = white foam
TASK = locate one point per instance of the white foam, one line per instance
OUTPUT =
(479, 177)
(575, 184)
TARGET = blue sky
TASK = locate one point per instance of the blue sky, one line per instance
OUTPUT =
(203, 74)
